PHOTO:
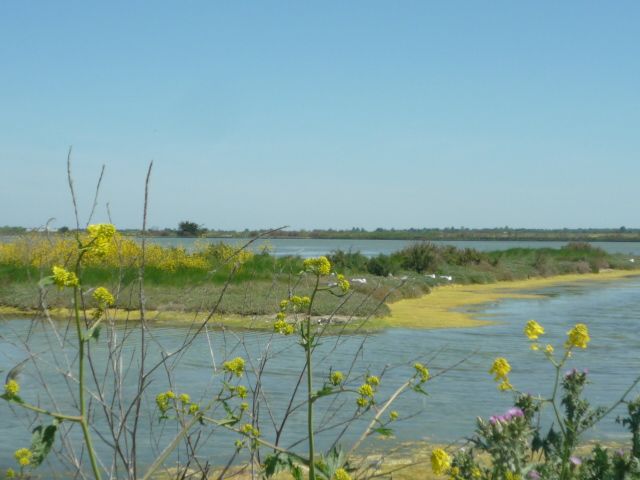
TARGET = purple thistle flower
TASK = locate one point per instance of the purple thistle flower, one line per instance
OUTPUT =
(575, 461)
(533, 475)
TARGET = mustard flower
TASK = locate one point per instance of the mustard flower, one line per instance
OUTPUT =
(64, 278)
(234, 367)
(103, 297)
(440, 461)
(300, 303)
(393, 415)
(284, 304)
(336, 378)
(578, 336)
(548, 349)
(500, 369)
(341, 474)
(100, 235)
(366, 390)
(283, 327)
(373, 380)
(244, 406)
(193, 408)
(249, 429)
(10, 473)
(362, 402)
(535, 347)
(319, 266)
(170, 394)
(184, 398)
(505, 385)
(23, 456)
(533, 330)
(422, 371)
(162, 401)
(241, 391)
(343, 283)
(11, 388)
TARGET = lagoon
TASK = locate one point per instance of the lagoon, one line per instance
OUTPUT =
(610, 309)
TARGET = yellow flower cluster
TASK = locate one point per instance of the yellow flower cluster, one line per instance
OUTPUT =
(11, 388)
(100, 237)
(578, 336)
(341, 474)
(440, 461)
(38, 251)
(533, 330)
(234, 367)
(300, 303)
(422, 371)
(319, 266)
(373, 380)
(23, 456)
(63, 278)
(249, 429)
(343, 283)
(500, 370)
(282, 327)
(103, 297)
(10, 473)
(336, 378)
(367, 390)
(163, 400)
(393, 415)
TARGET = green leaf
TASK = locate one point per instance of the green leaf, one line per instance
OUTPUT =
(45, 281)
(41, 442)
(326, 390)
(384, 431)
(419, 389)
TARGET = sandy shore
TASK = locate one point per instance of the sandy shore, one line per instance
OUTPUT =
(451, 306)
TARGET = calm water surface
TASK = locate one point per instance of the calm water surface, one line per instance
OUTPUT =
(611, 310)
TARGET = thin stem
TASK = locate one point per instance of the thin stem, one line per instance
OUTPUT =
(308, 350)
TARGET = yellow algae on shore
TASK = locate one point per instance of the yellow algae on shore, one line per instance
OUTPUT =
(449, 306)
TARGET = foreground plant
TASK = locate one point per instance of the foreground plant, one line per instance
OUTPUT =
(515, 444)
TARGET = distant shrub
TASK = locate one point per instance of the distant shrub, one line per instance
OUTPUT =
(382, 265)
(352, 261)
(420, 257)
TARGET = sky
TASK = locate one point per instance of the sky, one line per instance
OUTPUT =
(324, 114)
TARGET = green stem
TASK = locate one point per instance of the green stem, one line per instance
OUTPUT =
(83, 407)
(308, 351)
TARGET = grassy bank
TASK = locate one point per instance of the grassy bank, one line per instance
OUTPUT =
(245, 288)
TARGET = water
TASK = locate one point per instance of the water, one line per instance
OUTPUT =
(456, 398)
(315, 247)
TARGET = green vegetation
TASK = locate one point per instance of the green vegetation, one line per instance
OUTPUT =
(177, 280)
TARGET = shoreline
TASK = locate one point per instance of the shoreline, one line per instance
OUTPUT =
(449, 306)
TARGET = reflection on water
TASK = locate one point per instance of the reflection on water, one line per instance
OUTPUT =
(612, 311)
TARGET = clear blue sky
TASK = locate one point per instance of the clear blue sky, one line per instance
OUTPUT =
(325, 114)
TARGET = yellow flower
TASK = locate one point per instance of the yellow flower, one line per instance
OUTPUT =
(476, 472)
(185, 398)
(193, 408)
(284, 304)
(341, 474)
(500, 369)
(100, 235)
(533, 330)
(373, 380)
(393, 415)
(336, 378)
(103, 297)
(534, 346)
(300, 302)
(283, 327)
(241, 391)
(319, 266)
(578, 336)
(63, 278)
(343, 283)
(234, 367)
(366, 390)
(163, 402)
(249, 429)
(548, 349)
(440, 461)
(422, 371)
(11, 388)
(23, 456)
(505, 385)
(362, 402)
(170, 394)
(244, 406)
(10, 473)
